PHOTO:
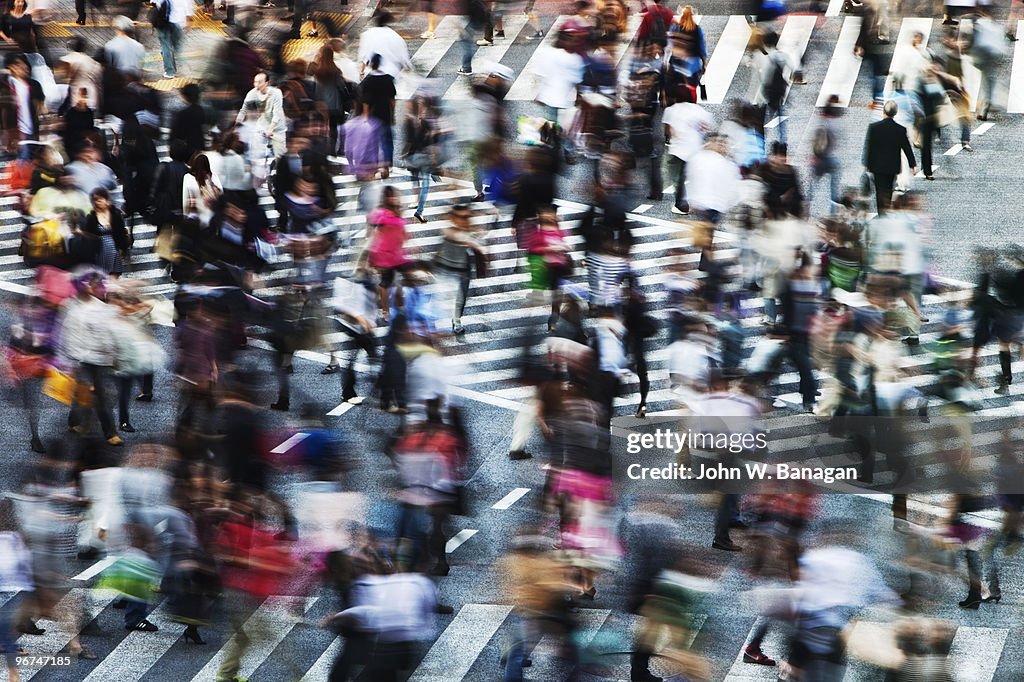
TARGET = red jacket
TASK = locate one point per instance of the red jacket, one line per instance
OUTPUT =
(647, 25)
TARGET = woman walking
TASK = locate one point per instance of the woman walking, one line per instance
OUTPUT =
(200, 189)
(387, 243)
(107, 222)
(332, 91)
(422, 152)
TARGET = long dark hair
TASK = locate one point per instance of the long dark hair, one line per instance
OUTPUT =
(200, 168)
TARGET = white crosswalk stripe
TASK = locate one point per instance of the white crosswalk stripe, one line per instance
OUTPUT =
(844, 66)
(905, 57)
(726, 58)
(1015, 103)
(525, 86)
(267, 626)
(460, 90)
(455, 651)
(430, 54)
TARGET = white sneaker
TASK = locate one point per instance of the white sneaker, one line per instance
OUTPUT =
(485, 43)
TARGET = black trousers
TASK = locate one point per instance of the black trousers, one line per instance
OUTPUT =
(80, 7)
(95, 376)
(884, 182)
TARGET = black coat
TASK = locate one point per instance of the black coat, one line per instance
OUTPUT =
(188, 125)
(882, 146)
(121, 239)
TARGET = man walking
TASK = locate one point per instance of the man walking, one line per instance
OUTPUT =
(174, 16)
(882, 146)
(268, 103)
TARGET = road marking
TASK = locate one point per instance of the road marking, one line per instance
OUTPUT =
(289, 444)
(904, 53)
(340, 409)
(459, 539)
(983, 128)
(795, 36)
(834, 8)
(321, 670)
(643, 208)
(844, 67)
(510, 499)
(524, 87)
(1015, 104)
(954, 150)
(267, 627)
(460, 90)
(920, 173)
(775, 122)
(430, 54)
(55, 639)
(726, 59)
(977, 652)
(971, 81)
(138, 651)
(458, 647)
(547, 664)
(95, 569)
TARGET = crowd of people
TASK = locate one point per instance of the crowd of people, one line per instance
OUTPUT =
(253, 220)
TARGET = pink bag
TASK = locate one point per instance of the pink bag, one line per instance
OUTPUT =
(53, 284)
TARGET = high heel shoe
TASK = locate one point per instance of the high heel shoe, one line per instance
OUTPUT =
(993, 598)
(191, 634)
(641, 412)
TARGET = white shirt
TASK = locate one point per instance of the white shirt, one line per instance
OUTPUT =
(85, 332)
(394, 53)
(125, 53)
(15, 564)
(712, 181)
(270, 106)
(84, 72)
(24, 97)
(610, 349)
(687, 123)
(181, 10)
(895, 245)
(560, 73)
(191, 193)
(397, 607)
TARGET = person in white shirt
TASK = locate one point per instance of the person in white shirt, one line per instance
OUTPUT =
(82, 71)
(559, 74)
(123, 52)
(268, 102)
(200, 189)
(86, 340)
(712, 181)
(686, 124)
(383, 40)
(767, 91)
(181, 12)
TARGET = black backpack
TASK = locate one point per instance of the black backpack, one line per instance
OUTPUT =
(659, 32)
(160, 15)
(776, 85)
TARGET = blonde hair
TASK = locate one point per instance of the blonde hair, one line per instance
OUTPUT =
(686, 21)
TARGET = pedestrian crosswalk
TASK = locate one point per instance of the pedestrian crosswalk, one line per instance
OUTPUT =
(727, 39)
(461, 649)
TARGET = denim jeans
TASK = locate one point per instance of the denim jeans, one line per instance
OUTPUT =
(135, 612)
(9, 626)
(828, 166)
(677, 174)
(170, 43)
(423, 176)
(468, 43)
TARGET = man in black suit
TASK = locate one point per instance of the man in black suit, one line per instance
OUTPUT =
(882, 146)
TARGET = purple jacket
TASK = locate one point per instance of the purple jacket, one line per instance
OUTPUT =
(362, 145)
